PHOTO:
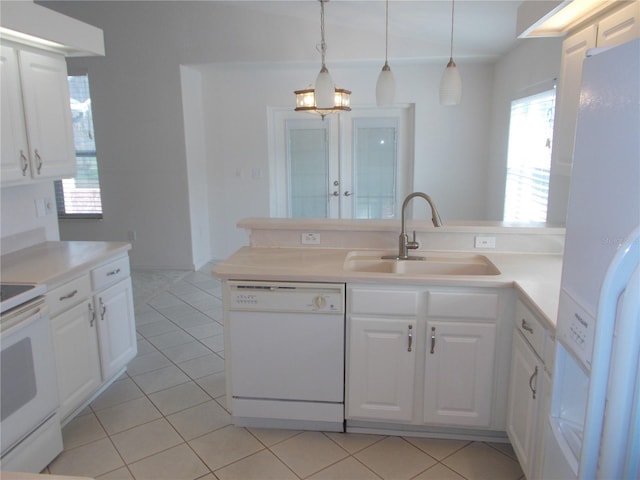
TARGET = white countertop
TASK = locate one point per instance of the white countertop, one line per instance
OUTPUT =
(49, 262)
(535, 276)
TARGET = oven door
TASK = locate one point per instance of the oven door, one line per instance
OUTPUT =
(29, 391)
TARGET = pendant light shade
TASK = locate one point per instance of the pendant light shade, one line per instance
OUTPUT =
(450, 85)
(386, 85)
(323, 97)
(451, 82)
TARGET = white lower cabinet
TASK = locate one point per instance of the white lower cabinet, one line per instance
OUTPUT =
(93, 333)
(529, 391)
(425, 356)
(77, 360)
(524, 401)
(381, 368)
(116, 327)
(459, 380)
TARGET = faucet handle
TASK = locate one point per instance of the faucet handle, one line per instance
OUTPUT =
(413, 244)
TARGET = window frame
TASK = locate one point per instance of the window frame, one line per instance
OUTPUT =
(58, 184)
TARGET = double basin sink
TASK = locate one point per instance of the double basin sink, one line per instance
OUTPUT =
(433, 263)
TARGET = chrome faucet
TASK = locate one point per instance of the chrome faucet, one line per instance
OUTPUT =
(404, 245)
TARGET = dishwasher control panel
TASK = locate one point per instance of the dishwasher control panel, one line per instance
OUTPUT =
(287, 297)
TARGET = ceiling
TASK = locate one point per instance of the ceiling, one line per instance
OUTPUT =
(482, 29)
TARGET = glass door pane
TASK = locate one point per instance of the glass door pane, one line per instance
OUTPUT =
(308, 170)
(375, 168)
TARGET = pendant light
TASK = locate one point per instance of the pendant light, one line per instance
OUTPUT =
(451, 83)
(386, 85)
(323, 98)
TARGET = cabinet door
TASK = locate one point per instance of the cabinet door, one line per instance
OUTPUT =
(381, 368)
(116, 327)
(574, 50)
(75, 344)
(458, 386)
(524, 400)
(620, 27)
(48, 114)
(14, 162)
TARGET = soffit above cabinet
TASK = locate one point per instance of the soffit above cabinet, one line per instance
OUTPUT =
(555, 18)
(27, 23)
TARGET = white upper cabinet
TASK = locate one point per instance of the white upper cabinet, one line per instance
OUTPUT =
(37, 135)
(620, 27)
(14, 162)
(613, 29)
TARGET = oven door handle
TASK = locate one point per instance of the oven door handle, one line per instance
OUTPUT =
(22, 321)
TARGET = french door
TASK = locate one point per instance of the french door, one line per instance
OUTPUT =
(355, 165)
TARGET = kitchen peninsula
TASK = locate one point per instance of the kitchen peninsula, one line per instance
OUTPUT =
(424, 354)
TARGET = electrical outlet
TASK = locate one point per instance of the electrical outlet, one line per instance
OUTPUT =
(132, 235)
(310, 238)
(485, 242)
(41, 207)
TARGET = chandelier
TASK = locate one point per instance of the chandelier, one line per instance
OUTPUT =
(323, 97)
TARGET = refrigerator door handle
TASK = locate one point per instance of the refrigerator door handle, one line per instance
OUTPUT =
(621, 271)
(618, 416)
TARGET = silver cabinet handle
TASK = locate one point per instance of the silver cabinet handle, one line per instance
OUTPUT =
(531, 380)
(38, 160)
(526, 326)
(347, 193)
(433, 340)
(68, 295)
(113, 272)
(24, 162)
(92, 314)
(410, 338)
(103, 309)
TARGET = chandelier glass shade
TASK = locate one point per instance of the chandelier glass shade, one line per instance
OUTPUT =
(323, 97)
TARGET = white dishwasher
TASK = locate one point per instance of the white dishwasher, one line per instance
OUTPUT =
(286, 354)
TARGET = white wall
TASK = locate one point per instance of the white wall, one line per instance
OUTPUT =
(150, 154)
(531, 63)
(195, 138)
(451, 143)
(18, 217)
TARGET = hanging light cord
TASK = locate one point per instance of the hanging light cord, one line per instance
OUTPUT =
(453, 4)
(322, 48)
(386, 41)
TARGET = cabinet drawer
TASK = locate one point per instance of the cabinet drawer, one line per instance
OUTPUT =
(463, 305)
(110, 273)
(66, 296)
(383, 302)
(530, 327)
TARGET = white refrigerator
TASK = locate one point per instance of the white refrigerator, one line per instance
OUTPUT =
(593, 430)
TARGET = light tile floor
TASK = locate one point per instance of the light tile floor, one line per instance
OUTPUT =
(166, 418)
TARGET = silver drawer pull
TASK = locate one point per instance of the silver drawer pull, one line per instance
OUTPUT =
(24, 162)
(531, 379)
(433, 340)
(68, 295)
(525, 326)
(103, 309)
(113, 272)
(92, 314)
(410, 339)
(38, 161)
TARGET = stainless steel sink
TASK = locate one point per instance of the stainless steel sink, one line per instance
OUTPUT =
(434, 263)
